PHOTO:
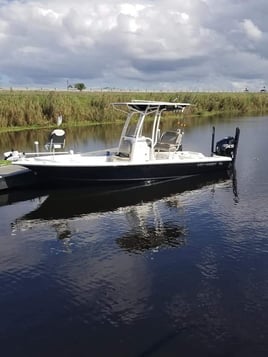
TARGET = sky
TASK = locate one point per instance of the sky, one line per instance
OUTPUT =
(181, 45)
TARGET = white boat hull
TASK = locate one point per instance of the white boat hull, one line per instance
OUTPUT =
(81, 168)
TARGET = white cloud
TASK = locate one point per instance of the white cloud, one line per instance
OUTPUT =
(251, 30)
(150, 44)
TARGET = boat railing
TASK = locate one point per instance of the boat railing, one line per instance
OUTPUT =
(105, 151)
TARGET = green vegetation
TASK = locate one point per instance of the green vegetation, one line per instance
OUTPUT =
(4, 162)
(35, 109)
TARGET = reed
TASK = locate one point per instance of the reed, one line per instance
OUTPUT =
(20, 109)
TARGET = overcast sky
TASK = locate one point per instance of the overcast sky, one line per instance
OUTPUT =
(148, 44)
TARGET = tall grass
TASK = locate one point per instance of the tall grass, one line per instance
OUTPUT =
(37, 108)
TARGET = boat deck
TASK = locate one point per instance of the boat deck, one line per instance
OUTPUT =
(78, 160)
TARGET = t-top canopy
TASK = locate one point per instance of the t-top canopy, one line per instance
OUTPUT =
(149, 106)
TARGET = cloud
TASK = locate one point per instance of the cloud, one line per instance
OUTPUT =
(251, 30)
(150, 44)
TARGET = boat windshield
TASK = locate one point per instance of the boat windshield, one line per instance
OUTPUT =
(135, 125)
(132, 127)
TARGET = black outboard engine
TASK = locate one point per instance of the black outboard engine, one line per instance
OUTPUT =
(226, 146)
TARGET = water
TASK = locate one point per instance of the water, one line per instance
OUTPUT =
(175, 269)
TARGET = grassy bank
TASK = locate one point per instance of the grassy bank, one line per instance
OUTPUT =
(37, 108)
(4, 163)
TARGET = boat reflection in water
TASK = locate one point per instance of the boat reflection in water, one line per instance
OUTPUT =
(145, 237)
(142, 207)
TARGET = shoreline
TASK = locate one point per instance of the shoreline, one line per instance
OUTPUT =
(27, 110)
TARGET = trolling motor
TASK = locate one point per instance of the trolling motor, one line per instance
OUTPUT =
(226, 146)
(12, 155)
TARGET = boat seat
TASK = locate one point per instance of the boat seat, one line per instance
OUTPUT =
(56, 140)
(169, 141)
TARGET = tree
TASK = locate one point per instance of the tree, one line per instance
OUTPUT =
(80, 86)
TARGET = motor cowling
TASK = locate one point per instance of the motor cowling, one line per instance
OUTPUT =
(225, 147)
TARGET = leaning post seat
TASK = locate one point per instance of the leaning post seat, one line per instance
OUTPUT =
(56, 140)
(169, 141)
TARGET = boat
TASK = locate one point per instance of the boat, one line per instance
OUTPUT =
(141, 156)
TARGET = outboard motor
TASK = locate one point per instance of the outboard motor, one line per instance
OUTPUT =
(226, 146)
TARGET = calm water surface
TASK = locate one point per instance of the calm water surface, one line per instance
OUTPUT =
(173, 269)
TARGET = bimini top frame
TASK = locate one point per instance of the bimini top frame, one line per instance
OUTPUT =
(149, 106)
(144, 108)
